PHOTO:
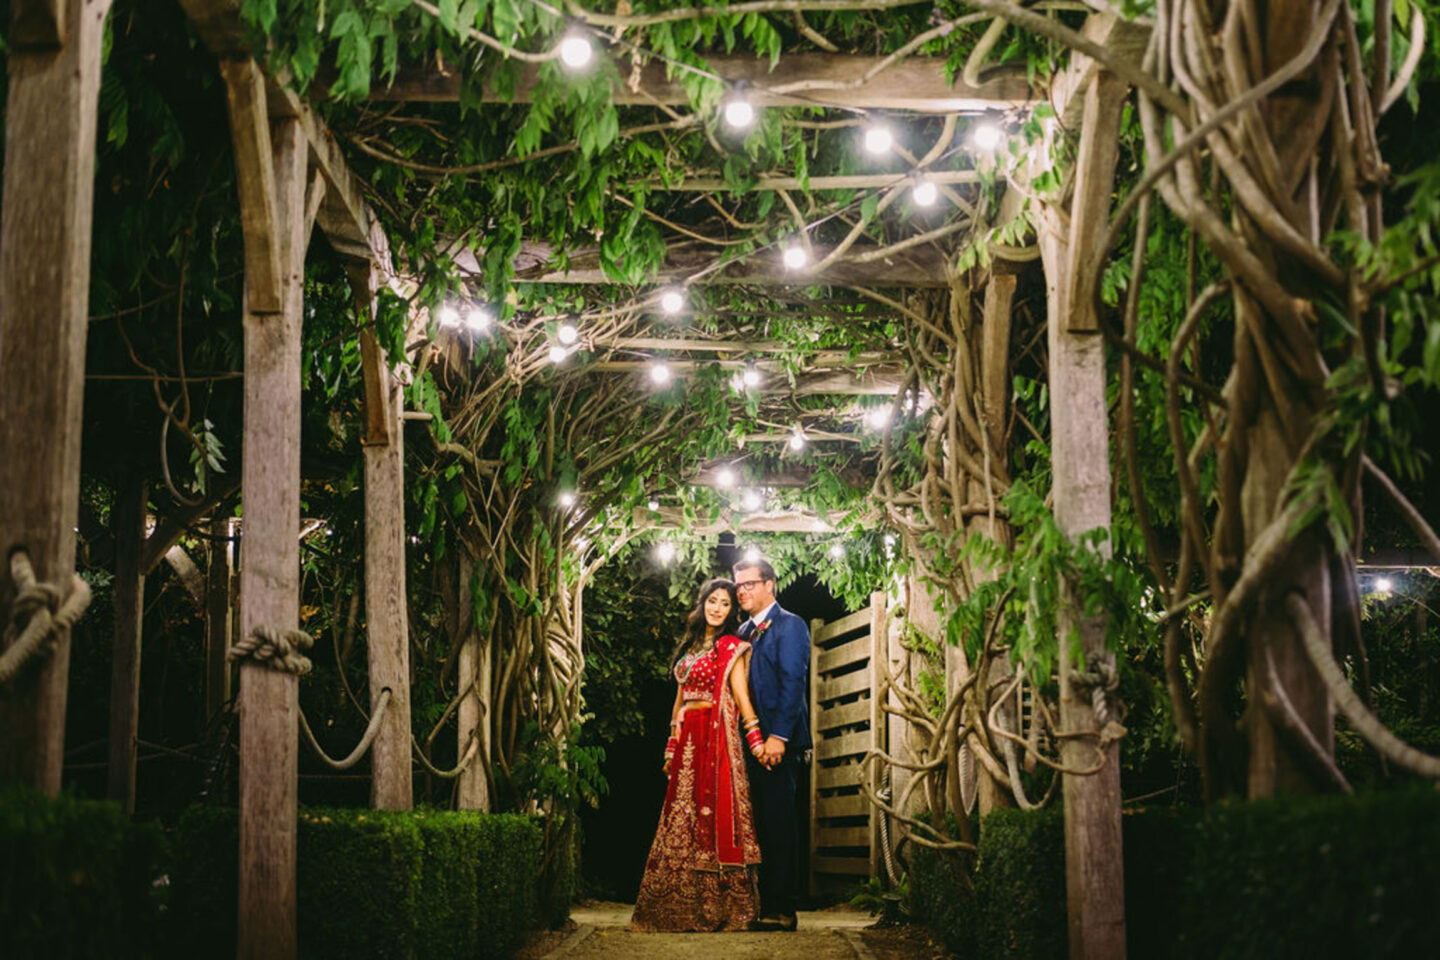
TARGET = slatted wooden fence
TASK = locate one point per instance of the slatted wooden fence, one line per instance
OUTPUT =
(847, 658)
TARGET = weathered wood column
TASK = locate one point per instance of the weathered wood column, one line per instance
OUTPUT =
(386, 628)
(476, 664)
(270, 162)
(1094, 866)
(54, 80)
(219, 593)
(129, 527)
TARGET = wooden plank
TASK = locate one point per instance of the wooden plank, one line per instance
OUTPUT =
(878, 630)
(856, 866)
(219, 597)
(129, 525)
(845, 745)
(846, 684)
(45, 232)
(815, 771)
(861, 181)
(1123, 38)
(476, 665)
(828, 778)
(835, 628)
(270, 582)
(852, 806)
(845, 837)
(852, 651)
(847, 714)
(255, 180)
(915, 84)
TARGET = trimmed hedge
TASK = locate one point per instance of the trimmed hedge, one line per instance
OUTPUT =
(78, 878)
(1293, 877)
(373, 883)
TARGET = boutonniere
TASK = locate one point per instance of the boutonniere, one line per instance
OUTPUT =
(759, 629)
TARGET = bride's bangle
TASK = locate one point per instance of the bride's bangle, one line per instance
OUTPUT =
(753, 738)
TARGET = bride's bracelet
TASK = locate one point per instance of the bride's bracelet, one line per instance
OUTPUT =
(670, 746)
(752, 737)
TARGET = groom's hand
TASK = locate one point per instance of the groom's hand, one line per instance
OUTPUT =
(773, 751)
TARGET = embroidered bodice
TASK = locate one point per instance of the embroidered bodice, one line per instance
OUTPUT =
(699, 673)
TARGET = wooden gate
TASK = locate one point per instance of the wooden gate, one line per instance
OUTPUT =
(846, 721)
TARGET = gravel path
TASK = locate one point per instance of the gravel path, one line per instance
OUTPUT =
(600, 934)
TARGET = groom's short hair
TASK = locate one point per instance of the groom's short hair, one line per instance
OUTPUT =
(767, 572)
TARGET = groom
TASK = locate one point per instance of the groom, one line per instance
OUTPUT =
(778, 670)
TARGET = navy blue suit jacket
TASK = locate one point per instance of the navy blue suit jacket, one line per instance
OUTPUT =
(778, 668)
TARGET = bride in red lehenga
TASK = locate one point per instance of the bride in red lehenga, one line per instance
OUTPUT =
(701, 872)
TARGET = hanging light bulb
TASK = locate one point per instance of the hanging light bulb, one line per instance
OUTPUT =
(665, 552)
(567, 334)
(836, 551)
(565, 499)
(797, 440)
(659, 373)
(558, 355)
(750, 377)
(725, 478)
(752, 553)
(654, 505)
(878, 418)
(739, 114)
(795, 256)
(751, 500)
(925, 193)
(878, 139)
(447, 316)
(986, 136)
(737, 382)
(576, 51)
(672, 301)
(478, 319)
(1384, 585)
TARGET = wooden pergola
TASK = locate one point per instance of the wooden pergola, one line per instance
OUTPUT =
(293, 177)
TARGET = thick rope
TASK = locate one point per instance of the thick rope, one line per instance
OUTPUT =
(365, 741)
(39, 615)
(278, 649)
(472, 750)
(1103, 680)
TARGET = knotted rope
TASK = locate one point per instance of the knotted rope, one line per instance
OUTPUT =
(38, 616)
(278, 649)
(1103, 680)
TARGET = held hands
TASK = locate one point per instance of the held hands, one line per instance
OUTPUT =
(772, 752)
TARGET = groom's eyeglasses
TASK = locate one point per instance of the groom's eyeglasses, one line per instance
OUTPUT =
(746, 585)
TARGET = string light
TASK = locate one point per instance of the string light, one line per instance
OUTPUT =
(794, 256)
(878, 417)
(739, 114)
(986, 136)
(751, 500)
(878, 139)
(654, 505)
(737, 382)
(672, 301)
(659, 373)
(566, 499)
(925, 193)
(836, 551)
(567, 334)
(478, 319)
(752, 553)
(576, 51)
(558, 355)
(1384, 585)
(797, 440)
(447, 316)
(665, 552)
(725, 478)
(750, 377)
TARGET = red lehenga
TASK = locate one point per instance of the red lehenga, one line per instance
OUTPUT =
(701, 873)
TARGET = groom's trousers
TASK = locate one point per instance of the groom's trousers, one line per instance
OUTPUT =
(773, 794)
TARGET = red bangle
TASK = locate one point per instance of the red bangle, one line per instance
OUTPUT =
(752, 737)
(670, 746)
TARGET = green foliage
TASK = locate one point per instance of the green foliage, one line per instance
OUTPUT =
(373, 883)
(78, 879)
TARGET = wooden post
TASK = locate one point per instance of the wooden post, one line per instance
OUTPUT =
(385, 614)
(476, 665)
(1094, 865)
(129, 527)
(815, 626)
(45, 234)
(878, 652)
(219, 584)
(270, 575)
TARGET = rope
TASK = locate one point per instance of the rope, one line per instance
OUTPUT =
(39, 616)
(1103, 680)
(278, 649)
(471, 751)
(365, 741)
(891, 870)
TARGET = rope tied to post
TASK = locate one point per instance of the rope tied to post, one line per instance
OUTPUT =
(1102, 679)
(40, 613)
(282, 650)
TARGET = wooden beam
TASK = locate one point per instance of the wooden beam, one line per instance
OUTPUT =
(921, 266)
(255, 180)
(784, 521)
(270, 581)
(129, 524)
(860, 181)
(915, 84)
(1124, 38)
(878, 380)
(37, 24)
(45, 235)
(819, 358)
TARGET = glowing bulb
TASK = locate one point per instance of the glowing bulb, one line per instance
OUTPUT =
(797, 441)
(794, 257)
(752, 553)
(725, 477)
(447, 316)
(738, 113)
(751, 377)
(567, 334)
(837, 552)
(576, 51)
(654, 504)
(1384, 585)
(878, 418)
(659, 373)
(925, 193)
(478, 319)
(558, 354)
(672, 301)
(750, 500)
(986, 136)
(737, 383)
(566, 499)
(878, 140)
(665, 552)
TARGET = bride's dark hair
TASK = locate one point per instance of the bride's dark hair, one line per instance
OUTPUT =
(695, 623)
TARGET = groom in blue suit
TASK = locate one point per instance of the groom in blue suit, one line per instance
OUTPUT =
(779, 667)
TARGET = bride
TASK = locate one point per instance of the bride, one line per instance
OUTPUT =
(700, 875)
